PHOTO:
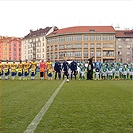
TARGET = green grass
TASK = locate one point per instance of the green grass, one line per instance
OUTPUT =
(79, 107)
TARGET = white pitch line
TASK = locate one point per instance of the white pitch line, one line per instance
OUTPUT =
(32, 126)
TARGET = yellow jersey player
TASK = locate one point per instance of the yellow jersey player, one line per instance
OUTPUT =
(34, 65)
(1, 69)
(32, 71)
(7, 66)
(20, 72)
(27, 66)
(13, 72)
(48, 65)
(14, 66)
(6, 72)
(26, 71)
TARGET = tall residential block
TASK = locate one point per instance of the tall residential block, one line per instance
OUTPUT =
(124, 45)
(10, 48)
(34, 44)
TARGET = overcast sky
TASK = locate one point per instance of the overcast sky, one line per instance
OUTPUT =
(18, 17)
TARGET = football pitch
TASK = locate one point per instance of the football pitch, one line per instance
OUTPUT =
(78, 107)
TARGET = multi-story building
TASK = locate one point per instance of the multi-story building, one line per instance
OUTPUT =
(10, 48)
(34, 44)
(81, 43)
(124, 46)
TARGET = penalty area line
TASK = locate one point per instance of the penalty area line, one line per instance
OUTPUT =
(32, 126)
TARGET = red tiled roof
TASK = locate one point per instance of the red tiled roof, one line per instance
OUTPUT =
(83, 29)
(124, 33)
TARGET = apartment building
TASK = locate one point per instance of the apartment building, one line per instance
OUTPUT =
(34, 44)
(82, 42)
(10, 48)
(124, 45)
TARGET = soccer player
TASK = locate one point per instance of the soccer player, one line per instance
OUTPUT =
(7, 66)
(26, 67)
(117, 73)
(104, 73)
(57, 69)
(65, 69)
(6, 72)
(34, 65)
(131, 72)
(32, 71)
(110, 73)
(1, 69)
(97, 71)
(124, 72)
(20, 72)
(82, 71)
(14, 66)
(13, 72)
(42, 70)
(50, 71)
(73, 67)
(49, 65)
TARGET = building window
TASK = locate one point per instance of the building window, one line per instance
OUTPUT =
(128, 53)
(108, 53)
(61, 46)
(42, 38)
(43, 50)
(98, 45)
(127, 39)
(69, 46)
(105, 45)
(56, 47)
(42, 44)
(111, 37)
(14, 44)
(128, 59)
(69, 54)
(85, 37)
(111, 45)
(119, 39)
(61, 39)
(119, 46)
(105, 37)
(48, 41)
(98, 38)
(92, 45)
(85, 54)
(77, 37)
(78, 54)
(92, 38)
(98, 54)
(91, 53)
(128, 46)
(61, 54)
(69, 38)
(85, 45)
(119, 53)
(56, 39)
(78, 46)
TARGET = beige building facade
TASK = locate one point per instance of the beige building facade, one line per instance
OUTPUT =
(82, 42)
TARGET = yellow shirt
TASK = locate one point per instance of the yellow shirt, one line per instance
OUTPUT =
(20, 65)
(34, 64)
(32, 70)
(26, 65)
(19, 70)
(49, 65)
(7, 65)
(26, 69)
(13, 69)
(1, 65)
(6, 70)
(14, 65)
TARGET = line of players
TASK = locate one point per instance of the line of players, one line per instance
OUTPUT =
(104, 70)
(20, 69)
